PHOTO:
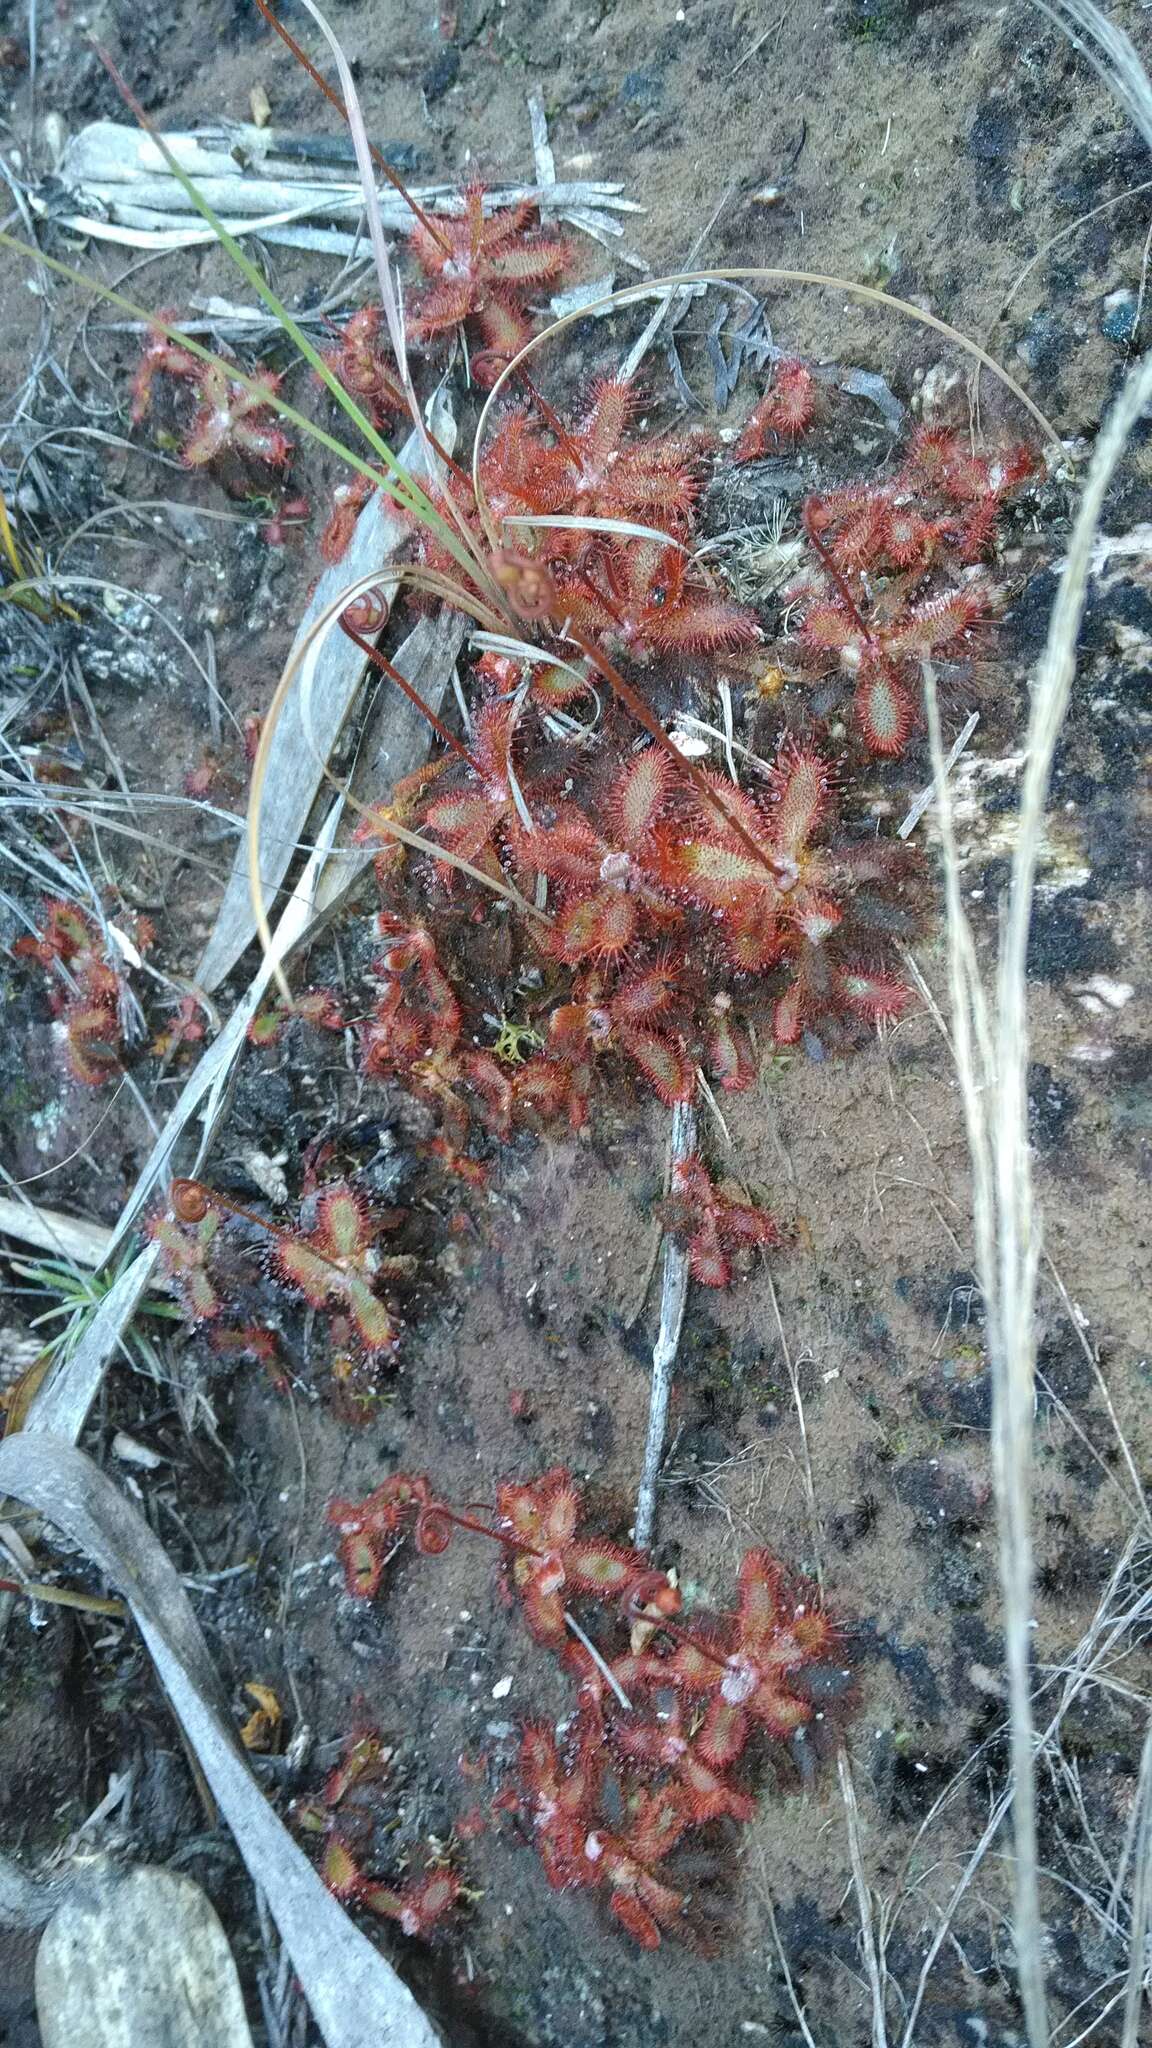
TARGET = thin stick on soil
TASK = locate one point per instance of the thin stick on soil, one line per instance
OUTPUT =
(1092, 1356)
(991, 1829)
(864, 1901)
(814, 1528)
(605, 1670)
(673, 1302)
(872, 1951)
(782, 1959)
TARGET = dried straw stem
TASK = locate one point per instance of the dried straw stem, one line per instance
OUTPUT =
(673, 1301)
(990, 1043)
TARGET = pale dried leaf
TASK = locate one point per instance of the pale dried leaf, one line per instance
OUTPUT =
(354, 1994)
(62, 1237)
(294, 774)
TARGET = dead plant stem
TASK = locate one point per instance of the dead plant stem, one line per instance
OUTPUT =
(673, 1302)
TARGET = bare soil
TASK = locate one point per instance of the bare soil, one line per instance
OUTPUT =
(934, 150)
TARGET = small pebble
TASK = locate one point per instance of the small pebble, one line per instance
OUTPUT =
(132, 1453)
(1119, 315)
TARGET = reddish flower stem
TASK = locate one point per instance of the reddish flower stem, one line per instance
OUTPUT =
(191, 1200)
(551, 419)
(388, 668)
(335, 100)
(437, 1507)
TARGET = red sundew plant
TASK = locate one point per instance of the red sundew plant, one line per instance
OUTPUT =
(608, 898)
(894, 583)
(85, 988)
(160, 357)
(669, 1708)
(471, 818)
(249, 1341)
(681, 918)
(230, 423)
(483, 266)
(594, 469)
(333, 1264)
(684, 922)
(346, 1818)
(784, 413)
(185, 1250)
(348, 501)
(205, 778)
(645, 600)
(187, 1027)
(365, 368)
(537, 1522)
(626, 1018)
(661, 924)
(404, 808)
(562, 1804)
(416, 1033)
(368, 1529)
(713, 1221)
(231, 420)
(318, 1007)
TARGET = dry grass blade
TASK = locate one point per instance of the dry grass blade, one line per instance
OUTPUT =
(871, 1949)
(627, 529)
(354, 1994)
(296, 689)
(991, 1830)
(523, 650)
(116, 187)
(389, 288)
(384, 278)
(999, 1155)
(794, 1998)
(1072, 227)
(1137, 1496)
(990, 1042)
(1109, 52)
(49, 1230)
(395, 740)
(921, 802)
(865, 1905)
(333, 98)
(64, 1596)
(1138, 1988)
